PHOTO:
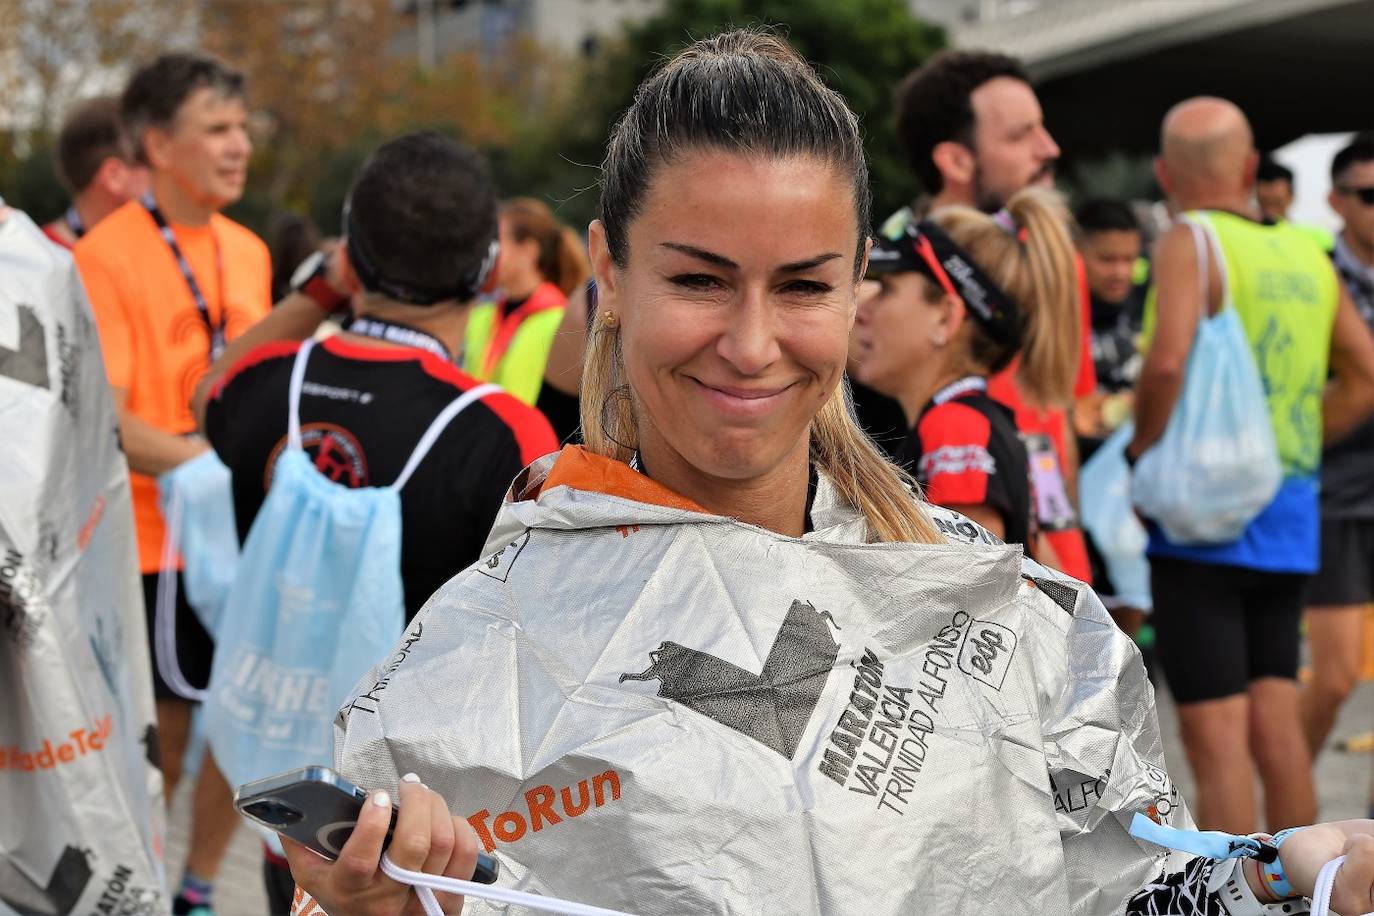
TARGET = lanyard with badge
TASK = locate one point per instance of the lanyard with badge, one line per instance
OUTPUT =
(397, 333)
(215, 331)
(73, 221)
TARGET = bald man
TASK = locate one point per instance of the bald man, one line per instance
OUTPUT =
(1227, 615)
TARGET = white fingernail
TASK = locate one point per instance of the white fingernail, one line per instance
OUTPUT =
(410, 777)
(381, 799)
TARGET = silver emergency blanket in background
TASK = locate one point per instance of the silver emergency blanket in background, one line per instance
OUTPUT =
(663, 711)
(81, 813)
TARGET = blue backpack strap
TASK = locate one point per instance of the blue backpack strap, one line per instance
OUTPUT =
(293, 423)
(457, 406)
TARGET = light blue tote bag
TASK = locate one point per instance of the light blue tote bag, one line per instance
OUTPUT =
(1104, 491)
(1217, 465)
(318, 600)
(197, 505)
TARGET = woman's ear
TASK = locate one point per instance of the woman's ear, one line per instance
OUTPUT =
(341, 274)
(951, 317)
(603, 266)
(860, 283)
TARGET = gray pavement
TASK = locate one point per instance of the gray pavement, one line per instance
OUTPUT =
(1342, 792)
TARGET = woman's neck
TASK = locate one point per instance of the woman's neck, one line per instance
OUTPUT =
(774, 500)
(521, 288)
(923, 382)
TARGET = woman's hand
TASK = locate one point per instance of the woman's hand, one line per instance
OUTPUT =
(1304, 853)
(427, 838)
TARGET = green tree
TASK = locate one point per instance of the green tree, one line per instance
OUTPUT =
(861, 48)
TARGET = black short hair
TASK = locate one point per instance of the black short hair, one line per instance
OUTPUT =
(424, 209)
(934, 104)
(1360, 150)
(91, 134)
(157, 91)
(1270, 169)
(1105, 214)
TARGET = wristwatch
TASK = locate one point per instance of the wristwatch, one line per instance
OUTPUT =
(312, 279)
(1237, 899)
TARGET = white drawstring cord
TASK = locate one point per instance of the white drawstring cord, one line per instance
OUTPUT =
(1326, 881)
(426, 884)
(165, 615)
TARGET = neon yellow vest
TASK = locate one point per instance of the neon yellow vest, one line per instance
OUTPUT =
(512, 350)
(1285, 292)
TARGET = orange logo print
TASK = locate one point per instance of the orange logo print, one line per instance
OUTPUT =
(83, 537)
(304, 905)
(79, 743)
(542, 809)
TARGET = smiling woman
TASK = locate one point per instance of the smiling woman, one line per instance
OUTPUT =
(733, 616)
(725, 372)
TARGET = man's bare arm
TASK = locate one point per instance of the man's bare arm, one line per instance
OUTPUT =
(1178, 309)
(148, 449)
(1349, 398)
(296, 317)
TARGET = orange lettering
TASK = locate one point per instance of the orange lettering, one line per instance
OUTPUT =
(584, 801)
(513, 832)
(479, 823)
(540, 802)
(83, 536)
(610, 777)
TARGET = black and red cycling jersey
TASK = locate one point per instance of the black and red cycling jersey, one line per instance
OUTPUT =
(363, 409)
(965, 451)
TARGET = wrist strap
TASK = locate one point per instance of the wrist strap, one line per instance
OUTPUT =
(1272, 873)
(425, 885)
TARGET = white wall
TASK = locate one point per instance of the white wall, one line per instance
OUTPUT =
(1310, 160)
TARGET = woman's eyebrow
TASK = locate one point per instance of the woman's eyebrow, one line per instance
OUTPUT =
(701, 254)
(797, 267)
(721, 260)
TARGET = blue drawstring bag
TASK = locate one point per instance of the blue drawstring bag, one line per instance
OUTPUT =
(1104, 491)
(198, 508)
(1217, 465)
(318, 600)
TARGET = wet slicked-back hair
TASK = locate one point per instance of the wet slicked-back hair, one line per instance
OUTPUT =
(744, 91)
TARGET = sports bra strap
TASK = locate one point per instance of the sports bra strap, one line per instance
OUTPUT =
(436, 428)
(293, 423)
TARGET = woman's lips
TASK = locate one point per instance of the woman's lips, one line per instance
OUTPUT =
(743, 402)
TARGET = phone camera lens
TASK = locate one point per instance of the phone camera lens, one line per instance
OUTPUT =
(274, 812)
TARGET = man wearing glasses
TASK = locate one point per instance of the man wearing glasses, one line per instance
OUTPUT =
(1345, 583)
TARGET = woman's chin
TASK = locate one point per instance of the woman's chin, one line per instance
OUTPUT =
(737, 457)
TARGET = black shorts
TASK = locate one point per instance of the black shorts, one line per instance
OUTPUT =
(1220, 627)
(1347, 572)
(194, 647)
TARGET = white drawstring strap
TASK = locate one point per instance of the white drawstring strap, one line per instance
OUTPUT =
(1326, 882)
(165, 610)
(425, 885)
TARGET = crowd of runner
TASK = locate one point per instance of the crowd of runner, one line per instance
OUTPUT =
(999, 345)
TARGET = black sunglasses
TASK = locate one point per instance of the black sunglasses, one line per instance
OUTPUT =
(1366, 195)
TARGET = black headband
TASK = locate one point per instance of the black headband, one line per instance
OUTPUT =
(924, 247)
(370, 275)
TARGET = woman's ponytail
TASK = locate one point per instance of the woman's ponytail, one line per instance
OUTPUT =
(1033, 262)
(1049, 285)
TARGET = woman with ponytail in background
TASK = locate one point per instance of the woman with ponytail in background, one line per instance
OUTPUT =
(959, 295)
(542, 264)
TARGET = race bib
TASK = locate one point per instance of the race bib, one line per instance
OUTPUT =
(1052, 506)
